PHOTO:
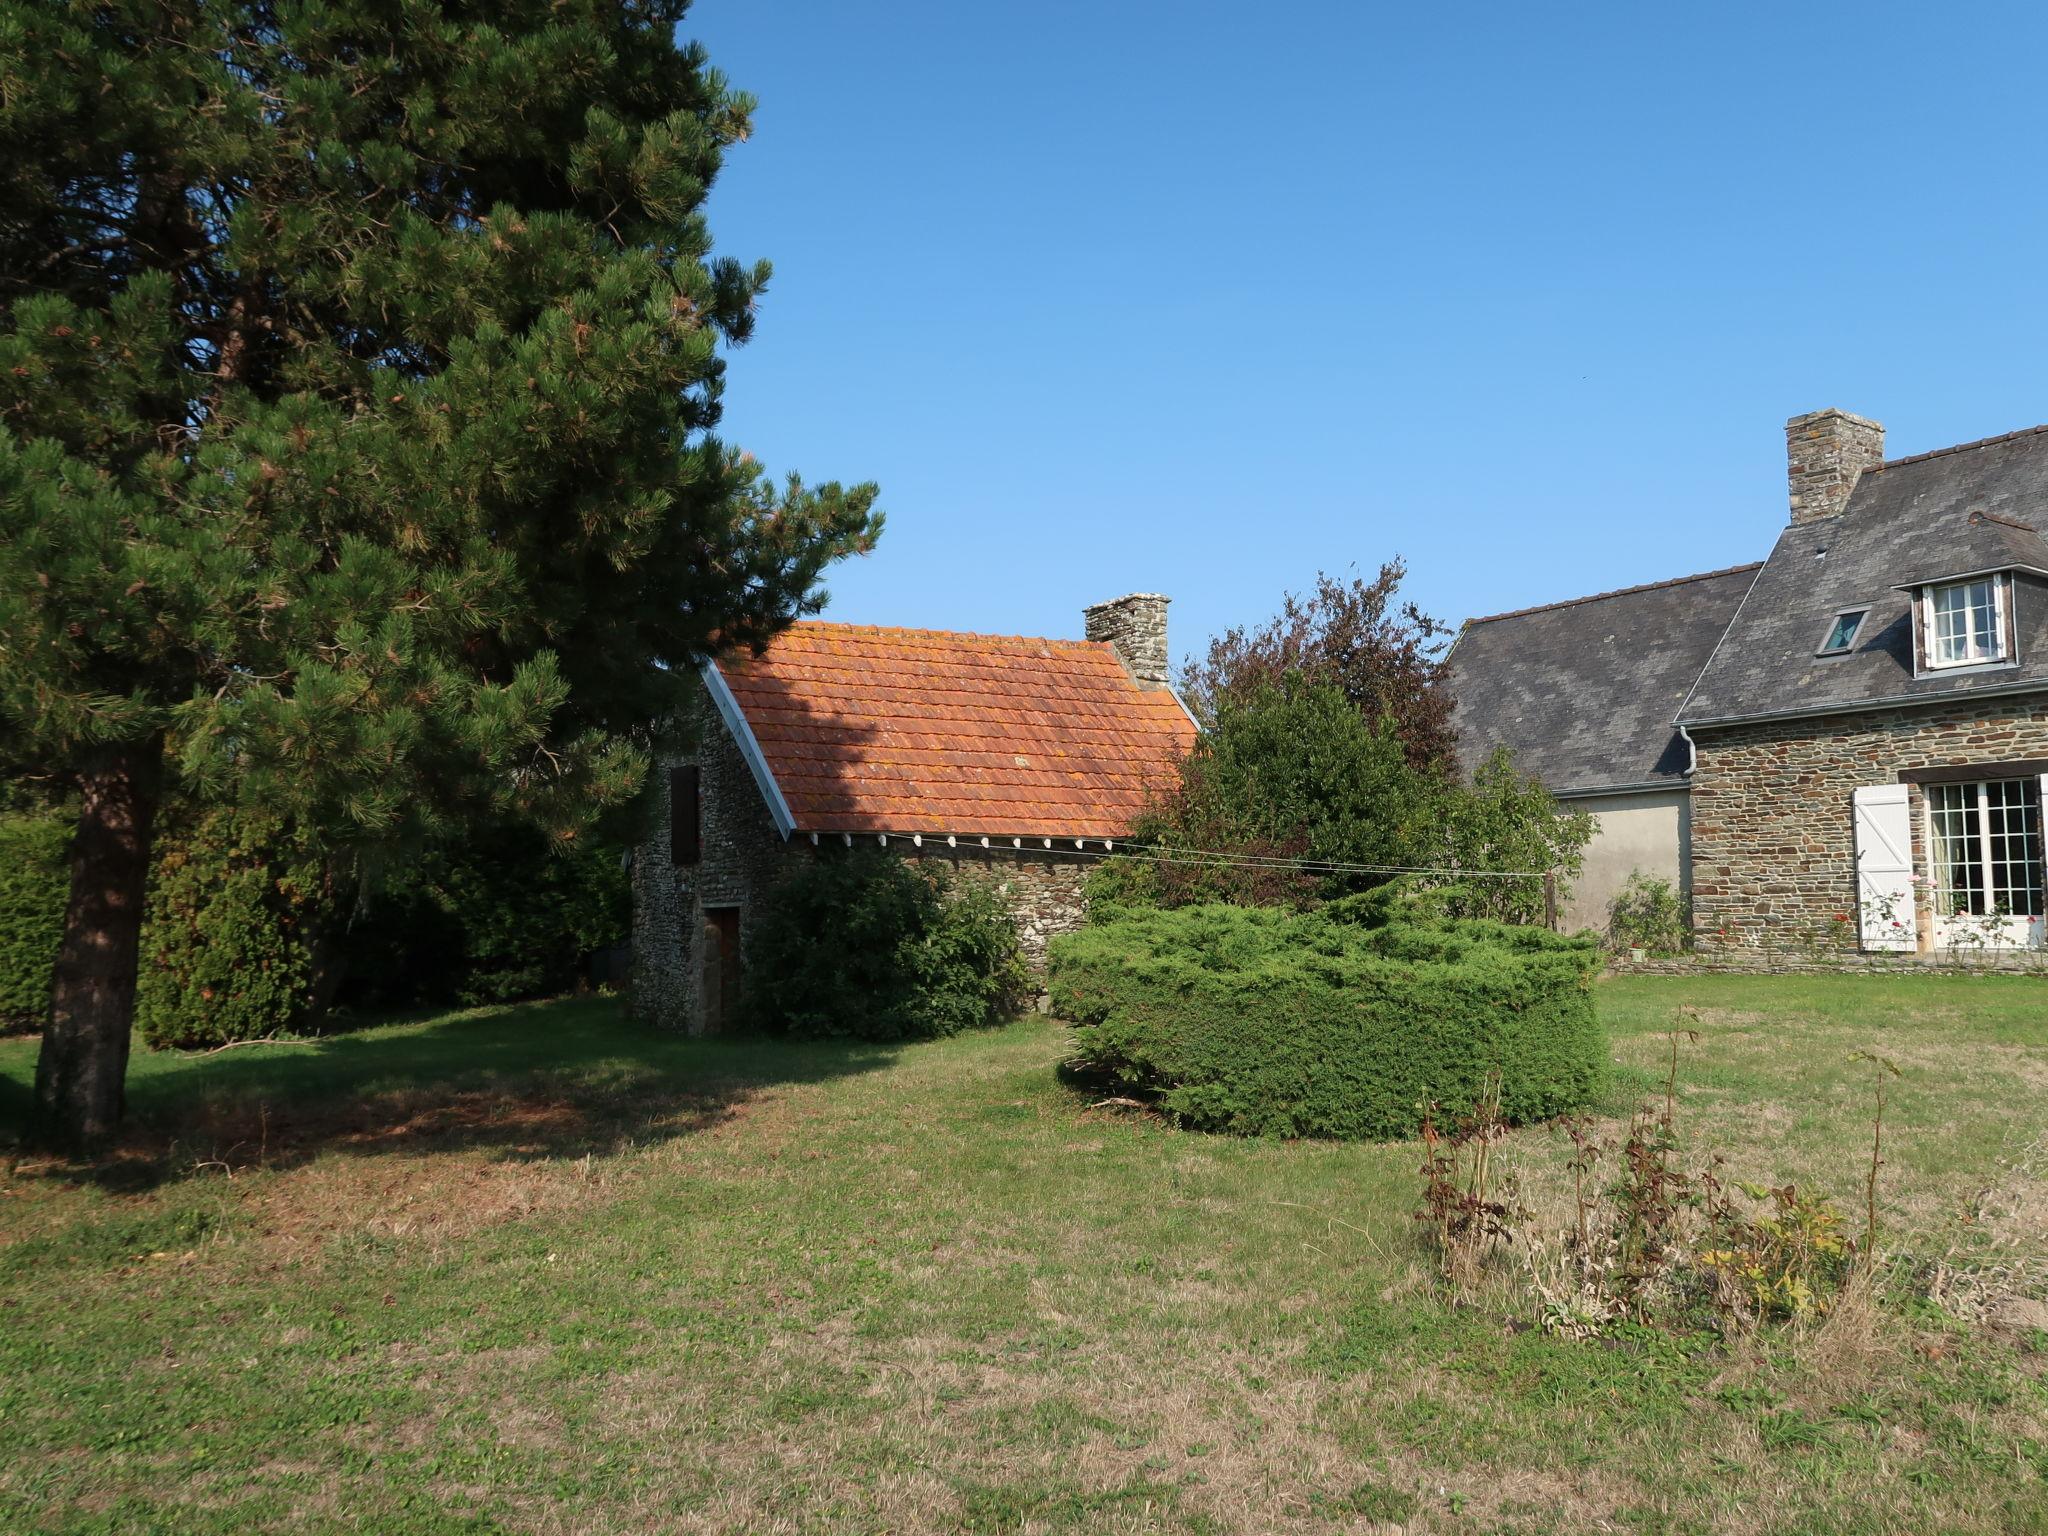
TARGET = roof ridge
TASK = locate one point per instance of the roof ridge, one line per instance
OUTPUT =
(1598, 597)
(943, 634)
(1982, 442)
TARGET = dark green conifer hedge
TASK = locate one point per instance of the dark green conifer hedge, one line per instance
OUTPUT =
(34, 880)
(1341, 1022)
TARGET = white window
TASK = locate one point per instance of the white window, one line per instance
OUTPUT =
(1965, 622)
(1986, 846)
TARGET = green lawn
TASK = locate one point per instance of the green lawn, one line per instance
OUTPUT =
(536, 1270)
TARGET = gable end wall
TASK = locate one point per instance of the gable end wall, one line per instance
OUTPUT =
(743, 857)
(1773, 835)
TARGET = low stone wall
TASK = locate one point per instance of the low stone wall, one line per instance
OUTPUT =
(1760, 963)
(1042, 889)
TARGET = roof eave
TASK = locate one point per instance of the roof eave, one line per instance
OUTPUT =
(1865, 706)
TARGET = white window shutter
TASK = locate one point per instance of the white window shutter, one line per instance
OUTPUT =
(1884, 867)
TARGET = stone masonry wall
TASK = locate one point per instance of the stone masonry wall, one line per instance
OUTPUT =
(743, 856)
(1136, 626)
(1773, 832)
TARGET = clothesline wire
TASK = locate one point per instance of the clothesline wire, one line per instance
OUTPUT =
(1220, 859)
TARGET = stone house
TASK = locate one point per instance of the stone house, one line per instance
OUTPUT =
(1842, 748)
(1016, 761)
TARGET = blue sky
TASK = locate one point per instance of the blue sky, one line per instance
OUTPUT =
(1201, 299)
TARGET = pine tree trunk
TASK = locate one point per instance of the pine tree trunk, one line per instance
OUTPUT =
(84, 1059)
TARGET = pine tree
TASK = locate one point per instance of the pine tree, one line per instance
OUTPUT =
(360, 362)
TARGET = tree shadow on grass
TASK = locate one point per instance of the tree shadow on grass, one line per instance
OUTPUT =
(571, 1078)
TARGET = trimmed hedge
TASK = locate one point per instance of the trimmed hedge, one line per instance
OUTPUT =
(1335, 1023)
(35, 882)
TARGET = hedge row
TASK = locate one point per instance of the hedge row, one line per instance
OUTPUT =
(246, 935)
(34, 883)
(1341, 1022)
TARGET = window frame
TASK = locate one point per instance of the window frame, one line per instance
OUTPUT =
(1848, 644)
(1972, 830)
(2002, 655)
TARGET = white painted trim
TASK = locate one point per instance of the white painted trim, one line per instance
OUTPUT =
(750, 749)
(2001, 624)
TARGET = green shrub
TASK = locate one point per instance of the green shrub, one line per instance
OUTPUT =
(500, 916)
(35, 881)
(1648, 913)
(227, 940)
(1339, 1022)
(874, 947)
(1291, 769)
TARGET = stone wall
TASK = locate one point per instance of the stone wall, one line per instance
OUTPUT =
(742, 856)
(1135, 626)
(1773, 832)
(1826, 452)
(1736, 962)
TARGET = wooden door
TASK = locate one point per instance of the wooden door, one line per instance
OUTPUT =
(721, 968)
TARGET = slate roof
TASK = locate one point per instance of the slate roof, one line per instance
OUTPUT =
(1584, 692)
(1957, 511)
(915, 730)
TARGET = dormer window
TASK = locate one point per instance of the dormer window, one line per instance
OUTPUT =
(1965, 622)
(1842, 632)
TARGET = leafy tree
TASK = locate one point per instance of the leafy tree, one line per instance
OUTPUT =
(1384, 655)
(1506, 820)
(1290, 770)
(359, 365)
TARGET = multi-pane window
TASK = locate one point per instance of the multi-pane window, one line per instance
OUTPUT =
(1963, 623)
(1987, 847)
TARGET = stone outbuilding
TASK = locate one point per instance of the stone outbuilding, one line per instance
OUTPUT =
(1859, 759)
(1017, 761)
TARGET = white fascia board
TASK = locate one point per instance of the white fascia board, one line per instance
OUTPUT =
(750, 749)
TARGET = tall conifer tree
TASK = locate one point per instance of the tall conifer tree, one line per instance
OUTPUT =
(359, 366)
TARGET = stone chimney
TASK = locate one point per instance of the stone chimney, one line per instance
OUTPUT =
(1135, 626)
(1825, 453)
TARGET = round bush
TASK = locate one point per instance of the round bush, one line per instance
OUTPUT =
(1340, 1022)
(870, 946)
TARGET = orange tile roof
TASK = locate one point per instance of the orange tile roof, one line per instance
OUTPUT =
(918, 730)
